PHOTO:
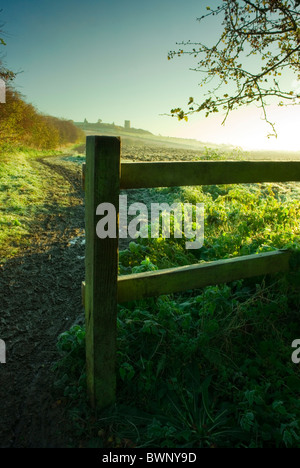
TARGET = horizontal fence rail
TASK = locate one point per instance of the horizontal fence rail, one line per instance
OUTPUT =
(171, 280)
(175, 174)
(189, 173)
(103, 178)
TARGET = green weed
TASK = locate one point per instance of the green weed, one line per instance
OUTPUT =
(210, 367)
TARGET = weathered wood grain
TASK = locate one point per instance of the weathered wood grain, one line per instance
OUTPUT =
(171, 280)
(173, 174)
(102, 184)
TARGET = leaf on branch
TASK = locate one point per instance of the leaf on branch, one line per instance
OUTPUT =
(268, 29)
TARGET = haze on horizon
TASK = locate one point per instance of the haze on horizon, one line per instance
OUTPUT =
(108, 60)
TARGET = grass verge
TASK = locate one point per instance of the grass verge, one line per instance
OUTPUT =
(24, 197)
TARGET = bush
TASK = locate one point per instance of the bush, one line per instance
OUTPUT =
(22, 125)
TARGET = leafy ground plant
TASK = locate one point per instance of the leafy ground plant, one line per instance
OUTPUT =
(210, 367)
(211, 370)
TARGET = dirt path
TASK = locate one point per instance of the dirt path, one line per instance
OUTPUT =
(40, 298)
(40, 291)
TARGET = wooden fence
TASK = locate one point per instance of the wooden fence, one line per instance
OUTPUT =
(103, 177)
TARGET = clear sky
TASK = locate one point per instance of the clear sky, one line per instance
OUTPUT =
(108, 59)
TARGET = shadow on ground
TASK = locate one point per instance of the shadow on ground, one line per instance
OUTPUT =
(40, 298)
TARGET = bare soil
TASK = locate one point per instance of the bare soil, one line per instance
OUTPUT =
(40, 298)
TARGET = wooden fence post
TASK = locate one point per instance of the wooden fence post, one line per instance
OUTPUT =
(102, 185)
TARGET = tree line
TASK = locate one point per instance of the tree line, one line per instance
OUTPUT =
(22, 125)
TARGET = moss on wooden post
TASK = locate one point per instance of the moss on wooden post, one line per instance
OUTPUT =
(102, 185)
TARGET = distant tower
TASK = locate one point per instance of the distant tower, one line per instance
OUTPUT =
(127, 124)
